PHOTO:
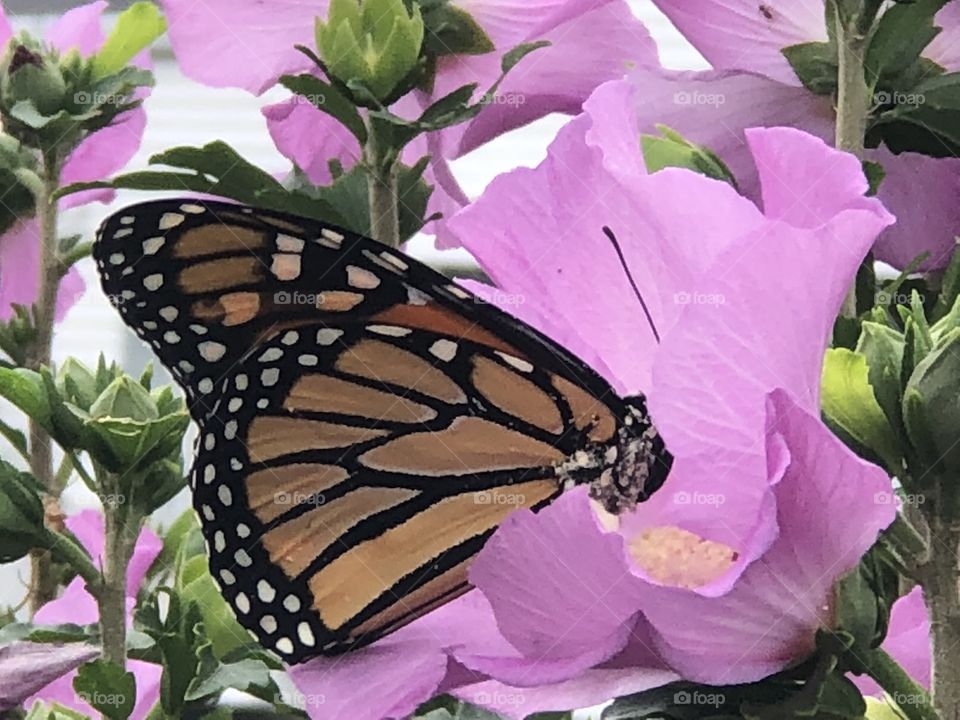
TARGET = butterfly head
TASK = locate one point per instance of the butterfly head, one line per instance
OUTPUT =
(628, 469)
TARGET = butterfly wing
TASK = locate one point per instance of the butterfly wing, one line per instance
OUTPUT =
(365, 424)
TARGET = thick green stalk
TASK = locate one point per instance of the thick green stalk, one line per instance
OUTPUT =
(121, 531)
(853, 100)
(911, 699)
(940, 591)
(382, 185)
(43, 584)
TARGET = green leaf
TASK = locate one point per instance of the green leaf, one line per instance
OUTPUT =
(674, 150)
(25, 389)
(449, 110)
(949, 287)
(883, 347)
(328, 99)
(518, 53)
(815, 64)
(136, 27)
(249, 675)
(902, 33)
(849, 402)
(875, 173)
(450, 30)
(218, 169)
(16, 438)
(925, 120)
(106, 687)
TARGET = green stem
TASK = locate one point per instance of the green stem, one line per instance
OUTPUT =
(121, 531)
(911, 699)
(939, 578)
(853, 100)
(43, 584)
(382, 185)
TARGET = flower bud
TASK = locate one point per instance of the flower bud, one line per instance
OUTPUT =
(27, 75)
(374, 42)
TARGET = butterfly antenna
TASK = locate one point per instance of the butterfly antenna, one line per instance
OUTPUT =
(636, 291)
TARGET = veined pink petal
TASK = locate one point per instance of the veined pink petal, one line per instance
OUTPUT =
(310, 138)
(907, 641)
(79, 29)
(770, 616)
(748, 35)
(241, 43)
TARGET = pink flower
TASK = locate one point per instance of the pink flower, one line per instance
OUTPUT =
(76, 605)
(231, 43)
(568, 611)
(752, 84)
(99, 156)
(744, 301)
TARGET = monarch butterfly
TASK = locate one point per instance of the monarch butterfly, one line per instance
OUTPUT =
(365, 424)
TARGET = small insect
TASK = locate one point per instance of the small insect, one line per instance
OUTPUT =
(766, 11)
(365, 424)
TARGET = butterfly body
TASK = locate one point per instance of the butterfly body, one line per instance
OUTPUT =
(365, 425)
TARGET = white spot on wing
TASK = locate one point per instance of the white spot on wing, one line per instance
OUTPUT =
(445, 350)
(170, 220)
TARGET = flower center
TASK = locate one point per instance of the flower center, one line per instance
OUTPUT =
(680, 558)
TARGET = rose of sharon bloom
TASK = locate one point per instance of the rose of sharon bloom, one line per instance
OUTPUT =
(569, 628)
(76, 605)
(761, 496)
(752, 84)
(249, 44)
(99, 156)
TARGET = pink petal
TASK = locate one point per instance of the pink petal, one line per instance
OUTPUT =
(715, 367)
(591, 687)
(592, 42)
(907, 641)
(925, 223)
(827, 518)
(739, 35)
(310, 138)
(79, 28)
(75, 605)
(20, 272)
(558, 569)
(714, 108)
(103, 154)
(6, 29)
(241, 43)
(802, 181)
(400, 671)
(945, 48)
(88, 527)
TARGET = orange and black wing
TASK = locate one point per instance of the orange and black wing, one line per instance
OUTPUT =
(365, 424)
